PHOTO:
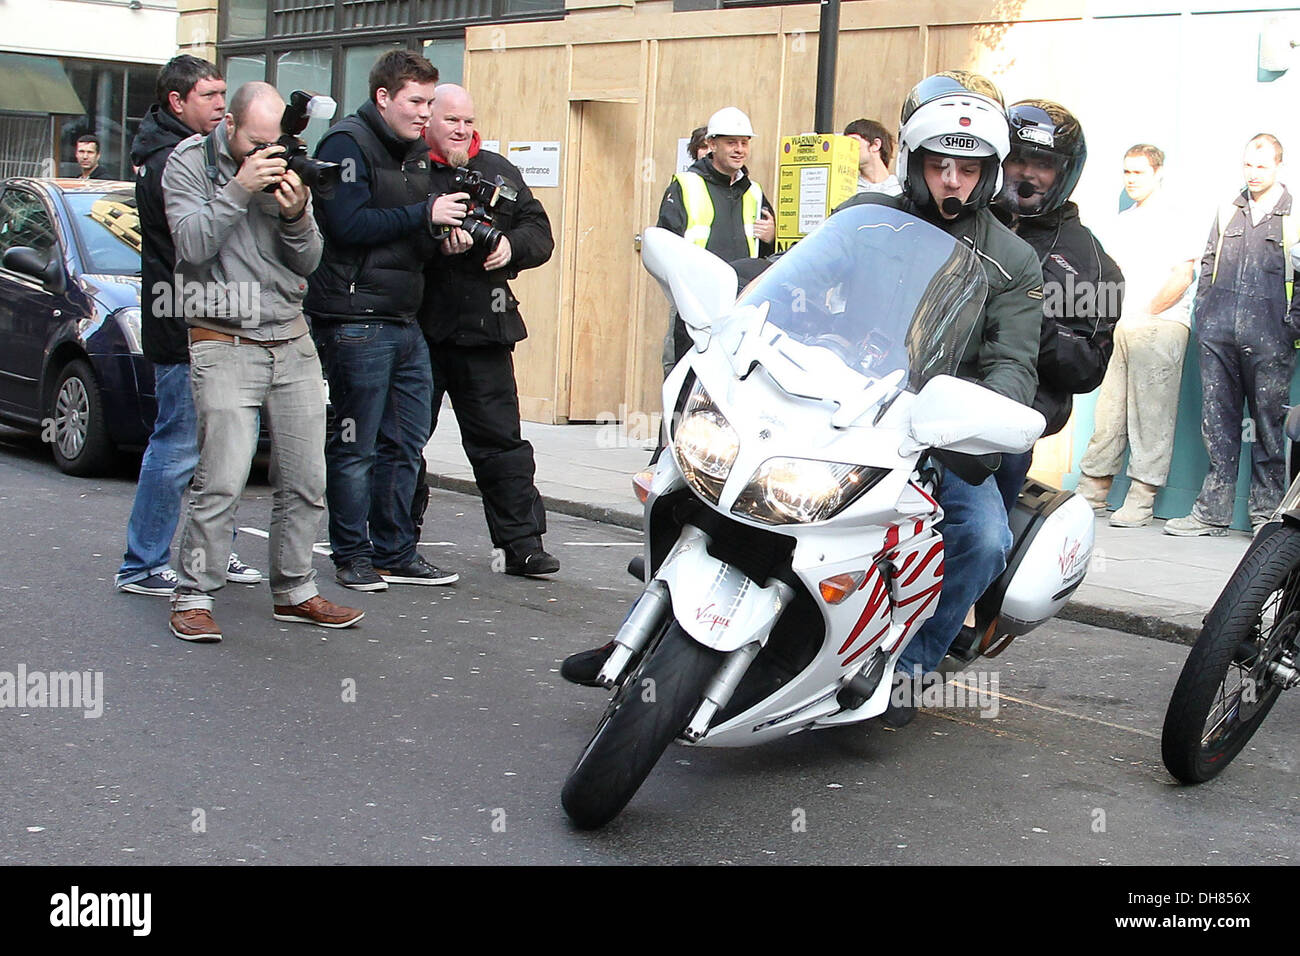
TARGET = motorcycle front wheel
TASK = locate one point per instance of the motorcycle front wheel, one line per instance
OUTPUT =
(1230, 681)
(651, 709)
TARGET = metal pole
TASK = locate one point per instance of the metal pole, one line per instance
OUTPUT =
(828, 45)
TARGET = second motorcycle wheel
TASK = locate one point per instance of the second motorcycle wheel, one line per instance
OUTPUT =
(649, 711)
(1235, 671)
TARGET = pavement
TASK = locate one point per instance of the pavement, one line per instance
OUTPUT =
(1141, 580)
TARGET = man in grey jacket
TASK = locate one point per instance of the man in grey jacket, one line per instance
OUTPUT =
(242, 257)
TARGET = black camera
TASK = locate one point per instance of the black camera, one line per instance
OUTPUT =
(486, 200)
(302, 107)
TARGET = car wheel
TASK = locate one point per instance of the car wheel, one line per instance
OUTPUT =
(75, 423)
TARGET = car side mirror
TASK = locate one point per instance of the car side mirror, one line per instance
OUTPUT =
(46, 267)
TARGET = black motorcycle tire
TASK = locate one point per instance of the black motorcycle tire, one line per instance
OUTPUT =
(1232, 641)
(650, 710)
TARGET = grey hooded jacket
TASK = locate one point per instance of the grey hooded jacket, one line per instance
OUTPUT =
(242, 268)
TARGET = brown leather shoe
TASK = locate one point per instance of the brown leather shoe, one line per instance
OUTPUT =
(195, 625)
(316, 610)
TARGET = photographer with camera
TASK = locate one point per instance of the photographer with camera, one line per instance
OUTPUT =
(472, 322)
(363, 299)
(251, 252)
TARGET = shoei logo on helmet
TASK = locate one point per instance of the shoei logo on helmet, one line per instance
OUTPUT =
(956, 141)
(1040, 136)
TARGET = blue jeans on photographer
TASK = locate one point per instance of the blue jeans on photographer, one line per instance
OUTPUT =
(976, 539)
(381, 390)
(165, 472)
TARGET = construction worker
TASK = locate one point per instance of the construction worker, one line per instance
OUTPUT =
(1247, 343)
(717, 206)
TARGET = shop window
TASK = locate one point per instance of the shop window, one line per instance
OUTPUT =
(448, 55)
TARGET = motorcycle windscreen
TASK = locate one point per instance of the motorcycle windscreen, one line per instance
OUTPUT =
(879, 289)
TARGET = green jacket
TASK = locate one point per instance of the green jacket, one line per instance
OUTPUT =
(1003, 351)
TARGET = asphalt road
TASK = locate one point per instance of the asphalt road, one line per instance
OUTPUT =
(461, 731)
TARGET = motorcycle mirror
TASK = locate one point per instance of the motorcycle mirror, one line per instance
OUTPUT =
(956, 415)
(698, 284)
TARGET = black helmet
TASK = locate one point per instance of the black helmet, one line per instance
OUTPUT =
(1042, 132)
(956, 113)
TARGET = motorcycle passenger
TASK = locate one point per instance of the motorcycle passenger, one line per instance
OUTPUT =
(1082, 285)
(952, 143)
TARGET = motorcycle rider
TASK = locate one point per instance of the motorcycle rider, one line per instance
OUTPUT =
(1082, 285)
(953, 140)
(952, 143)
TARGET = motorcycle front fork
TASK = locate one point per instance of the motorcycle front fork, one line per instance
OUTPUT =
(646, 619)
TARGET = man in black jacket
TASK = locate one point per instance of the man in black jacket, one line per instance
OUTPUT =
(472, 322)
(1082, 286)
(191, 99)
(88, 158)
(362, 301)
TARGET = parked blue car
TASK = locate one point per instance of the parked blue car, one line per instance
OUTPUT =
(71, 366)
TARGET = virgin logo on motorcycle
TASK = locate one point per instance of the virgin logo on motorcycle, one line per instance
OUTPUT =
(1070, 557)
(956, 141)
(706, 614)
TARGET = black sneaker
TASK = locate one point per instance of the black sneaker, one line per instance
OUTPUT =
(532, 563)
(901, 709)
(162, 584)
(360, 576)
(584, 666)
(419, 571)
(241, 573)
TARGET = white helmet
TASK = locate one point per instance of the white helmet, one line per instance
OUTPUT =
(729, 121)
(956, 113)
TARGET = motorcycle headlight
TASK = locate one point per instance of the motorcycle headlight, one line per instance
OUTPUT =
(705, 445)
(799, 490)
(129, 320)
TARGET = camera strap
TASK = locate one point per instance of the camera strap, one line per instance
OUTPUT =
(210, 153)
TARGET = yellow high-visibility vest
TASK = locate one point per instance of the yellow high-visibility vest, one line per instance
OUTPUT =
(699, 210)
(1290, 236)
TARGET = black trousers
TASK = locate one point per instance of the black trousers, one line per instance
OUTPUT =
(481, 383)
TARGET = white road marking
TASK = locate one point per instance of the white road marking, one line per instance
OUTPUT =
(1054, 710)
(602, 544)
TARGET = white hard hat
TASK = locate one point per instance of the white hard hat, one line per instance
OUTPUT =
(730, 121)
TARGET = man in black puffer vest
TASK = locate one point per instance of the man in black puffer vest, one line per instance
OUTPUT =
(362, 301)
(472, 322)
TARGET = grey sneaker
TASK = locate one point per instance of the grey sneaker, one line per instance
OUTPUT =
(1193, 527)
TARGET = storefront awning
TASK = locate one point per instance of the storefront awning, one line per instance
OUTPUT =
(36, 84)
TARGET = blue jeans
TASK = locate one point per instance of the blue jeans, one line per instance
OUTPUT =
(381, 387)
(976, 539)
(231, 383)
(1011, 477)
(165, 470)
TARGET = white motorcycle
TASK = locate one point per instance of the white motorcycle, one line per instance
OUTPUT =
(791, 546)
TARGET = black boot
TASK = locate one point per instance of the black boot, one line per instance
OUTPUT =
(584, 666)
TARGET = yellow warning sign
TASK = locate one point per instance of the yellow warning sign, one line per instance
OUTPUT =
(816, 174)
